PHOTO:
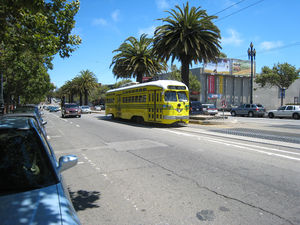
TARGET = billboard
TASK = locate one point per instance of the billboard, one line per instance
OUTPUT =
(235, 67)
(222, 66)
(241, 67)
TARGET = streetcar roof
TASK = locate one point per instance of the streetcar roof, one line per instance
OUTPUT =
(158, 83)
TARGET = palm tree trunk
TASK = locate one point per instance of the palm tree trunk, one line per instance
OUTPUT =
(185, 70)
(139, 78)
(86, 97)
(80, 98)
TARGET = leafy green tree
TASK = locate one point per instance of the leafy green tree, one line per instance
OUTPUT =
(31, 33)
(97, 95)
(122, 82)
(135, 58)
(195, 84)
(189, 35)
(26, 79)
(281, 76)
(40, 26)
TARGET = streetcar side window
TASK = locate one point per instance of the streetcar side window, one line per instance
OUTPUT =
(170, 96)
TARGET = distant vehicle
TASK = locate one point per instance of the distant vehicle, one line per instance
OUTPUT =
(54, 109)
(287, 111)
(85, 109)
(32, 188)
(210, 109)
(70, 110)
(97, 107)
(250, 110)
(196, 107)
(102, 107)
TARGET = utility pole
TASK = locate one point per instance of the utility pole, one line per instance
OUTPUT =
(251, 55)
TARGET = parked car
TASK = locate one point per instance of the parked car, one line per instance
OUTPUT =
(102, 107)
(70, 110)
(32, 189)
(40, 123)
(250, 110)
(28, 108)
(196, 108)
(289, 111)
(85, 109)
(210, 109)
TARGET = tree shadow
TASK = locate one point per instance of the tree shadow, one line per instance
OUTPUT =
(84, 199)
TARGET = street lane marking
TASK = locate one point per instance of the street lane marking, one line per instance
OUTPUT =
(244, 146)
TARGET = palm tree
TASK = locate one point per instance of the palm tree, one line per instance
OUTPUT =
(135, 58)
(86, 82)
(69, 90)
(189, 35)
(77, 83)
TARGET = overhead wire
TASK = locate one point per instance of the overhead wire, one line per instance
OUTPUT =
(255, 3)
(273, 49)
(228, 7)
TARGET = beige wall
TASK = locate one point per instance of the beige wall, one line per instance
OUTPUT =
(270, 98)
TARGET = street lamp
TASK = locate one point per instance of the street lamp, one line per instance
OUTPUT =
(251, 55)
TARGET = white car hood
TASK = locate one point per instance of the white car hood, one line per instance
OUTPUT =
(40, 206)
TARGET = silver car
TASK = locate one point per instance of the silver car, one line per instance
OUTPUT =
(286, 111)
(85, 109)
(32, 189)
(250, 110)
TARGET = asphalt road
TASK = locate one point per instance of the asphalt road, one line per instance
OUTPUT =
(136, 174)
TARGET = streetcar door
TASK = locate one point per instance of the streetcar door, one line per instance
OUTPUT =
(152, 105)
(118, 108)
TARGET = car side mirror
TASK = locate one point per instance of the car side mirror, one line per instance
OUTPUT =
(66, 162)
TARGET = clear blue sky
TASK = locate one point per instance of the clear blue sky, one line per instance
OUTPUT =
(103, 25)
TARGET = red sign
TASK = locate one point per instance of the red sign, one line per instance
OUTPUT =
(211, 84)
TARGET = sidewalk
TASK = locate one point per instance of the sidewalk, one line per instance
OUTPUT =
(219, 119)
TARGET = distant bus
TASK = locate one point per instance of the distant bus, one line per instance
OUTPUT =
(162, 101)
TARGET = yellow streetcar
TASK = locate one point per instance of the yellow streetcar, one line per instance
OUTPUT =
(162, 101)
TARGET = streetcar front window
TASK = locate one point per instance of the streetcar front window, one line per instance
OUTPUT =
(182, 96)
(170, 96)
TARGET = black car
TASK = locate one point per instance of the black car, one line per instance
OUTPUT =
(196, 107)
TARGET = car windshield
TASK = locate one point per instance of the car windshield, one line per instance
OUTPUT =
(211, 107)
(71, 106)
(85, 107)
(24, 164)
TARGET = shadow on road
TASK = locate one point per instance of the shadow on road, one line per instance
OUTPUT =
(137, 124)
(84, 199)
